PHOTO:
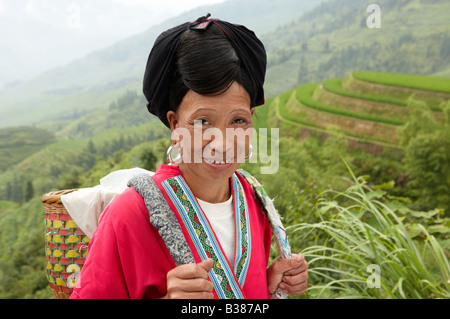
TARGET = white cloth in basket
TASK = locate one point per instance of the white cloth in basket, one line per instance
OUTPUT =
(86, 205)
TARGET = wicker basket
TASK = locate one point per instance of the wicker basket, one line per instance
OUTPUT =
(65, 246)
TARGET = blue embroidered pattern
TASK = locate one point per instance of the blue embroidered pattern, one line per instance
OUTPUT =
(222, 276)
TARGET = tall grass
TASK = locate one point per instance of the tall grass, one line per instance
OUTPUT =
(357, 231)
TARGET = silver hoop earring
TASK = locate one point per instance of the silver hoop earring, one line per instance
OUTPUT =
(174, 158)
(250, 152)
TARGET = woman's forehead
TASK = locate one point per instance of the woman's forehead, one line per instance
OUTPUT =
(234, 99)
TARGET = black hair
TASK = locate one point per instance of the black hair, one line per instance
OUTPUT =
(207, 64)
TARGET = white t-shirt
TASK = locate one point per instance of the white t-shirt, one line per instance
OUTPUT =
(221, 218)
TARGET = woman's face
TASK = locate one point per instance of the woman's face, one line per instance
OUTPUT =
(214, 132)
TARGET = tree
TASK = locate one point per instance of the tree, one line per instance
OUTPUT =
(29, 190)
(303, 71)
(327, 46)
(428, 164)
(334, 146)
(91, 147)
(17, 190)
(421, 121)
(445, 47)
(305, 46)
(71, 180)
(8, 191)
(148, 159)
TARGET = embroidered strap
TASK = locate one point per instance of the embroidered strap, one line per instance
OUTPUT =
(243, 233)
(222, 276)
(279, 231)
(163, 218)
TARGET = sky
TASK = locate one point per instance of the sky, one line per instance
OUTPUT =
(96, 16)
(37, 35)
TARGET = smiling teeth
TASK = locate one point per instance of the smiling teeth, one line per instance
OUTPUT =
(219, 162)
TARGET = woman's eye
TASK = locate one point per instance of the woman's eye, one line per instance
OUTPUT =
(240, 121)
(204, 121)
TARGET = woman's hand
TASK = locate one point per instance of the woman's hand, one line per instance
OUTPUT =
(190, 281)
(291, 275)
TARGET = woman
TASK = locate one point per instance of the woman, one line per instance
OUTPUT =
(201, 77)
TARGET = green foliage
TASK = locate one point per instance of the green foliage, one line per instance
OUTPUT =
(22, 261)
(358, 230)
(420, 121)
(428, 163)
(148, 159)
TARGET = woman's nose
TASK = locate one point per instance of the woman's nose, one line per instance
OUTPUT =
(221, 144)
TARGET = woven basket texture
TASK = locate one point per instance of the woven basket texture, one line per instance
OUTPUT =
(65, 246)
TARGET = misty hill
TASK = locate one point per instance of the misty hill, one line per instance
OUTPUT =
(306, 45)
(62, 31)
(306, 42)
(96, 80)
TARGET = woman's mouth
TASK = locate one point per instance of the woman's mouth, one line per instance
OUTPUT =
(218, 162)
(219, 165)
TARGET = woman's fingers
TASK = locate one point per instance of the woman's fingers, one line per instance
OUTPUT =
(190, 281)
(297, 279)
(190, 271)
(294, 290)
(299, 267)
(295, 284)
(291, 275)
(281, 267)
(195, 285)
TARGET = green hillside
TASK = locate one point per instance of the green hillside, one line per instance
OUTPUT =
(444, 73)
(328, 43)
(17, 143)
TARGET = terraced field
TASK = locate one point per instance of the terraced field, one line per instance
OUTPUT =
(368, 107)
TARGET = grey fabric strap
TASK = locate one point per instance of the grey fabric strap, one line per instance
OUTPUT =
(163, 218)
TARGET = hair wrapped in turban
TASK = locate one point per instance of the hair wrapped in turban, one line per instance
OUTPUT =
(162, 62)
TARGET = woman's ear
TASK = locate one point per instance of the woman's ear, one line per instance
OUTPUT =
(172, 119)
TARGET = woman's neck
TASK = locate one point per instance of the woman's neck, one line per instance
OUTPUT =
(208, 190)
